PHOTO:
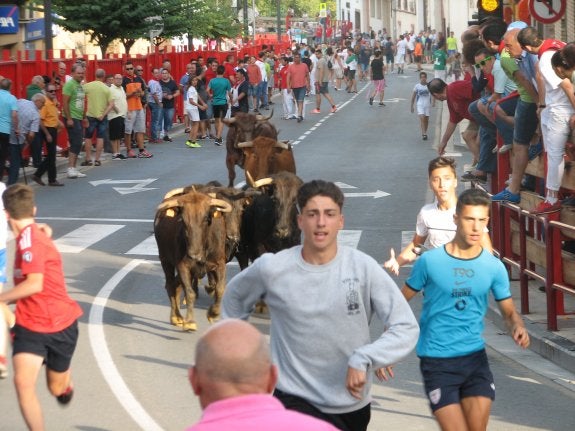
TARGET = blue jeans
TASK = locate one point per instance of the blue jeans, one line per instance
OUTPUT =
(155, 122)
(15, 163)
(487, 140)
(263, 93)
(168, 116)
(504, 129)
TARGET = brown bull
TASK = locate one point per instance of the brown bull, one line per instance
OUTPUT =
(190, 233)
(244, 127)
(265, 156)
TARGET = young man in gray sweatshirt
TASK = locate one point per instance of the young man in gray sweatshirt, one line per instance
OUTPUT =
(321, 298)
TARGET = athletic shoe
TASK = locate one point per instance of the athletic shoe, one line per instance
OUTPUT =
(131, 154)
(546, 208)
(218, 142)
(167, 138)
(381, 104)
(506, 196)
(371, 100)
(333, 109)
(55, 184)
(119, 156)
(194, 145)
(66, 397)
(424, 137)
(299, 119)
(38, 180)
(74, 173)
(3, 367)
(144, 155)
(471, 177)
(316, 111)
(79, 174)
(505, 148)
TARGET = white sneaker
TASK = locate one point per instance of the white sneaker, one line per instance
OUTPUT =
(505, 148)
(72, 173)
(79, 174)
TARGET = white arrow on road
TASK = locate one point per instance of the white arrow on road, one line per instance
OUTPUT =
(394, 100)
(139, 185)
(375, 195)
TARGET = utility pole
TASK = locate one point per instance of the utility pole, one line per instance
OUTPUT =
(47, 28)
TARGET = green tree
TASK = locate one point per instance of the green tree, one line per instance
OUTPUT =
(105, 20)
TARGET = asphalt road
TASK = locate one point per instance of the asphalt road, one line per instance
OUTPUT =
(130, 368)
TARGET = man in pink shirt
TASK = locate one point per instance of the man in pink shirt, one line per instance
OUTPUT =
(233, 376)
(298, 82)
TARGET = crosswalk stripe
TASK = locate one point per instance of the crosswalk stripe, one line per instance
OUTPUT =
(148, 247)
(86, 235)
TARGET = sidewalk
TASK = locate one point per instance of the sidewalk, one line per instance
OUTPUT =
(558, 346)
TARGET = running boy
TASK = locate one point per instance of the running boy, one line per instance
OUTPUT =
(46, 329)
(457, 279)
(422, 96)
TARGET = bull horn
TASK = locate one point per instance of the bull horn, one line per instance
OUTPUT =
(249, 179)
(174, 192)
(260, 117)
(247, 144)
(263, 182)
(229, 121)
(222, 205)
(282, 144)
(168, 204)
(212, 195)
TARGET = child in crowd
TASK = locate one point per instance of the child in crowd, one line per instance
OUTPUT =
(193, 106)
(422, 96)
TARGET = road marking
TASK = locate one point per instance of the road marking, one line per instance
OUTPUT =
(376, 195)
(104, 358)
(80, 239)
(139, 186)
(148, 247)
(344, 185)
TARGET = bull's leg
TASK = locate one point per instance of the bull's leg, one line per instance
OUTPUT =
(220, 285)
(188, 280)
(231, 171)
(172, 286)
(211, 286)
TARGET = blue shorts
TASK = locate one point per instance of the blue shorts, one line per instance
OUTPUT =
(448, 380)
(299, 93)
(75, 136)
(526, 122)
(3, 266)
(253, 90)
(96, 125)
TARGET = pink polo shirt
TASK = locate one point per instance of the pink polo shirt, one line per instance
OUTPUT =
(259, 412)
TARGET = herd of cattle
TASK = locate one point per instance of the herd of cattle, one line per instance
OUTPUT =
(201, 227)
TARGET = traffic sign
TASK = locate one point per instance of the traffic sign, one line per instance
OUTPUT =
(547, 11)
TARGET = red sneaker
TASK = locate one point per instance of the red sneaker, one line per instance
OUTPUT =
(546, 208)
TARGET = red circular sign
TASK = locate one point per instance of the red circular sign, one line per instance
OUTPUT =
(547, 11)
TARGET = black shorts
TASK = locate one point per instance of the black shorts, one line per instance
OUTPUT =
(448, 380)
(357, 420)
(351, 74)
(117, 127)
(56, 348)
(220, 111)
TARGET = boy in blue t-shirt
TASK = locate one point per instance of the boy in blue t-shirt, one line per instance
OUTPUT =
(457, 279)
(218, 88)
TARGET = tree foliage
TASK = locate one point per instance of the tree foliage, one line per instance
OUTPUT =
(104, 20)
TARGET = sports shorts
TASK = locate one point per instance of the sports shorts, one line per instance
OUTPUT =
(135, 122)
(56, 348)
(448, 380)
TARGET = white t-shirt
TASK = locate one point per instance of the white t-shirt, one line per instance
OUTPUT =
(191, 94)
(422, 95)
(437, 225)
(401, 47)
(555, 97)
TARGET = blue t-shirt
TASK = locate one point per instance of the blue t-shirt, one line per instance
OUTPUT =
(220, 88)
(455, 300)
(7, 105)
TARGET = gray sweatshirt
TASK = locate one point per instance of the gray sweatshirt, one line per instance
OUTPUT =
(320, 318)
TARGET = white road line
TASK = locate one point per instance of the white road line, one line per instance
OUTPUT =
(148, 247)
(108, 220)
(104, 358)
(83, 237)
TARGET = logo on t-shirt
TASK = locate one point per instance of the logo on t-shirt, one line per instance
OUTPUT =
(27, 256)
(352, 296)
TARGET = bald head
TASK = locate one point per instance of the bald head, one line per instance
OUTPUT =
(232, 359)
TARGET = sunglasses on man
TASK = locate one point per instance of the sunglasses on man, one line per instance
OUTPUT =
(482, 62)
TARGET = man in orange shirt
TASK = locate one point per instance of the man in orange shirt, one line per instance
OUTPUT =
(254, 77)
(135, 88)
(49, 126)
(298, 82)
